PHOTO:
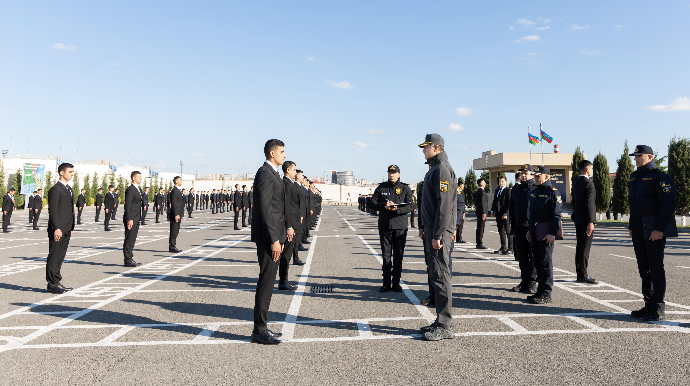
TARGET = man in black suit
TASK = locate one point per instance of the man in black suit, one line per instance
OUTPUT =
(176, 213)
(237, 205)
(294, 221)
(269, 232)
(109, 206)
(7, 209)
(461, 211)
(131, 218)
(251, 202)
(116, 195)
(98, 203)
(159, 202)
(245, 203)
(584, 215)
(213, 201)
(190, 202)
(144, 205)
(500, 210)
(37, 207)
(60, 227)
(80, 205)
(299, 178)
(481, 202)
(30, 206)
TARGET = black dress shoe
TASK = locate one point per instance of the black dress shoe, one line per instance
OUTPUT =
(429, 302)
(506, 253)
(264, 338)
(238, 229)
(518, 288)
(397, 288)
(131, 263)
(174, 250)
(298, 262)
(654, 316)
(158, 222)
(540, 299)
(496, 252)
(274, 334)
(143, 223)
(384, 288)
(638, 313)
(107, 229)
(588, 280)
(56, 290)
(306, 242)
(78, 223)
(462, 242)
(302, 248)
(5, 231)
(64, 288)
(481, 247)
(36, 228)
(287, 287)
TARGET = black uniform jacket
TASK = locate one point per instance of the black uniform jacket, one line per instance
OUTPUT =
(176, 204)
(438, 207)
(99, 200)
(292, 204)
(80, 201)
(651, 193)
(110, 200)
(545, 206)
(399, 193)
(519, 204)
(460, 204)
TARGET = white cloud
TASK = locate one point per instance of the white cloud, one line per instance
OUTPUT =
(464, 148)
(529, 38)
(619, 27)
(525, 22)
(511, 28)
(311, 58)
(678, 104)
(196, 155)
(589, 52)
(360, 145)
(455, 127)
(532, 54)
(462, 111)
(60, 46)
(542, 28)
(342, 84)
(576, 27)
(376, 131)
(547, 20)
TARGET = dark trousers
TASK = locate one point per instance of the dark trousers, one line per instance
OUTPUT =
(79, 210)
(189, 210)
(460, 225)
(584, 243)
(264, 287)
(297, 241)
(31, 215)
(158, 213)
(244, 217)
(114, 211)
(174, 231)
(432, 293)
(36, 216)
(506, 239)
(107, 220)
(56, 255)
(543, 261)
(143, 215)
(412, 218)
(130, 240)
(528, 271)
(98, 213)
(440, 276)
(6, 220)
(237, 217)
(480, 229)
(650, 263)
(213, 208)
(392, 242)
(250, 215)
(285, 258)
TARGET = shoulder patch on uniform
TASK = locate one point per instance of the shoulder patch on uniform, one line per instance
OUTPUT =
(398, 191)
(631, 180)
(666, 188)
(558, 199)
(459, 190)
(554, 189)
(647, 179)
(444, 186)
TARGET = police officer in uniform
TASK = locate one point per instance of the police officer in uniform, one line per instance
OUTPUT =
(544, 207)
(392, 226)
(519, 223)
(461, 211)
(437, 226)
(652, 208)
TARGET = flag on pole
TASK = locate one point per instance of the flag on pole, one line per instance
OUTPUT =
(545, 136)
(533, 140)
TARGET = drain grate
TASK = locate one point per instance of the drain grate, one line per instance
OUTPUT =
(322, 289)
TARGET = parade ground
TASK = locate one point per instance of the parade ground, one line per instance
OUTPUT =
(186, 318)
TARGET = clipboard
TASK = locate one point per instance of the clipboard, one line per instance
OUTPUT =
(543, 230)
(649, 223)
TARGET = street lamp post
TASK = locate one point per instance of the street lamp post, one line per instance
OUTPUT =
(181, 164)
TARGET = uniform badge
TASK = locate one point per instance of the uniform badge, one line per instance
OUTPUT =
(631, 180)
(666, 188)
(444, 186)
(459, 190)
(398, 191)
(558, 199)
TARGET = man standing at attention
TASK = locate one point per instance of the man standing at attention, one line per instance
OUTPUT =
(481, 209)
(7, 208)
(37, 207)
(132, 218)
(109, 207)
(584, 214)
(60, 227)
(175, 214)
(80, 205)
(500, 209)
(98, 203)
(269, 232)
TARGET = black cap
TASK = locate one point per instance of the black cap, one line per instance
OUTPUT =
(526, 167)
(642, 149)
(542, 170)
(432, 139)
(393, 169)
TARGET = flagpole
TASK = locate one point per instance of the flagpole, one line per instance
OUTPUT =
(542, 146)
(530, 147)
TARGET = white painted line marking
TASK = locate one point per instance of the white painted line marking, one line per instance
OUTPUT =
(625, 257)
(293, 311)
(348, 224)
(364, 330)
(115, 335)
(206, 333)
(513, 324)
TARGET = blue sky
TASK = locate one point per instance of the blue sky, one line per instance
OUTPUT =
(346, 85)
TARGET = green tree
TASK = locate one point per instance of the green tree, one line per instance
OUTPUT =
(17, 185)
(104, 184)
(470, 187)
(121, 185)
(87, 186)
(679, 170)
(111, 180)
(660, 161)
(48, 184)
(620, 183)
(154, 188)
(486, 175)
(75, 186)
(3, 183)
(94, 186)
(575, 166)
(602, 183)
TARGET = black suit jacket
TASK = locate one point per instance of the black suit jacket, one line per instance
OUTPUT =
(7, 204)
(61, 209)
(132, 205)
(99, 200)
(117, 199)
(584, 207)
(269, 219)
(190, 199)
(481, 202)
(238, 199)
(500, 204)
(38, 202)
(30, 204)
(109, 201)
(292, 204)
(159, 199)
(144, 200)
(80, 201)
(176, 204)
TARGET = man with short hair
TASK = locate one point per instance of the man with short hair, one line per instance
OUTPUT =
(270, 232)
(519, 219)
(190, 202)
(81, 200)
(60, 227)
(159, 202)
(461, 211)
(109, 207)
(499, 207)
(293, 220)
(437, 226)
(98, 203)
(237, 205)
(7, 209)
(131, 218)
(176, 213)
(116, 195)
(481, 204)
(30, 206)
(144, 204)
(584, 215)
(37, 207)
(213, 201)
